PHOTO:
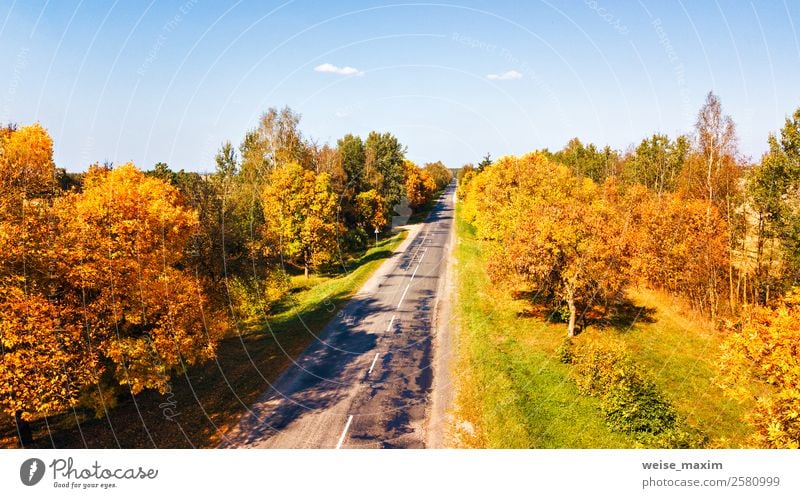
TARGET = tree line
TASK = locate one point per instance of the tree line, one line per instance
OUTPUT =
(118, 279)
(690, 216)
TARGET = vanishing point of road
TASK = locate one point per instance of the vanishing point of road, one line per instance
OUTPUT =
(366, 382)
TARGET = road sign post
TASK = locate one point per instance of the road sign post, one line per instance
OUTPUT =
(376, 236)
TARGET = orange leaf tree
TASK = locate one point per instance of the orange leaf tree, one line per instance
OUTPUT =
(562, 234)
(46, 360)
(681, 246)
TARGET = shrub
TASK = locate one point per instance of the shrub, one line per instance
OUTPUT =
(355, 239)
(565, 352)
(630, 401)
(252, 298)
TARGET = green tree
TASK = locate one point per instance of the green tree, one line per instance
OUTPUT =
(767, 187)
(353, 157)
(790, 226)
(588, 160)
(163, 172)
(657, 162)
(384, 156)
(485, 162)
(226, 162)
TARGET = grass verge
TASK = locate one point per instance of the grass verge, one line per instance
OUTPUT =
(513, 392)
(210, 398)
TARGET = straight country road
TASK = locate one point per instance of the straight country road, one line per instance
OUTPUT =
(366, 382)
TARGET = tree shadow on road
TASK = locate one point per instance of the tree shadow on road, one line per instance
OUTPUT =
(317, 381)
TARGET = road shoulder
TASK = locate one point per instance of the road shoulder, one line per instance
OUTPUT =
(445, 331)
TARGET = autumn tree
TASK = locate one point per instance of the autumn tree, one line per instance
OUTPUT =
(326, 159)
(419, 185)
(561, 234)
(370, 209)
(300, 216)
(26, 165)
(712, 172)
(441, 175)
(463, 176)
(681, 246)
(275, 141)
(120, 251)
(760, 356)
(45, 360)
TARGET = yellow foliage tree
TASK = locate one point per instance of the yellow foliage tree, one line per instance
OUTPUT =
(419, 185)
(761, 355)
(120, 250)
(371, 210)
(26, 165)
(300, 210)
(45, 360)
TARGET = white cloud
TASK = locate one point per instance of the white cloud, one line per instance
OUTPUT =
(344, 71)
(508, 75)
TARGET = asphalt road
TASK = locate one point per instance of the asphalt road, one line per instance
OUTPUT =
(366, 382)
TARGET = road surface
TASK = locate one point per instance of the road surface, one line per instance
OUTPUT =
(366, 382)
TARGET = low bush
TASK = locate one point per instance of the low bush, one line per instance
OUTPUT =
(253, 298)
(630, 401)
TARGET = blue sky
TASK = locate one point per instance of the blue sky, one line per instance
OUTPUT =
(169, 81)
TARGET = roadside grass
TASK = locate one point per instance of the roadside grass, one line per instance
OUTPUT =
(514, 393)
(208, 399)
(512, 390)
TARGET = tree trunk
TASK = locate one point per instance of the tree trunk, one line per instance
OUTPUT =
(744, 289)
(23, 430)
(731, 295)
(305, 271)
(572, 317)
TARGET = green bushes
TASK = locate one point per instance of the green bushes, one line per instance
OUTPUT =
(630, 401)
(253, 298)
